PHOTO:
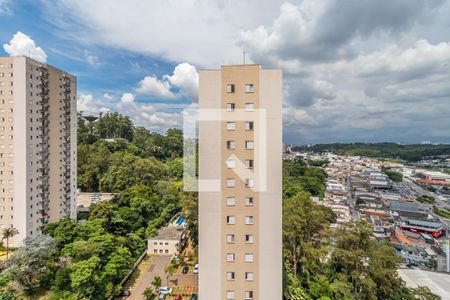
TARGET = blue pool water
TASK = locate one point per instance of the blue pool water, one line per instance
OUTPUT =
(180, 221)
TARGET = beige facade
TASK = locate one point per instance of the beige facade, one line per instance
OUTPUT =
(37, 145)
(167, 242)
(240, 247)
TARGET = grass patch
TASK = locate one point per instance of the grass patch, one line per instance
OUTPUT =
(425, 199)
(441, 212)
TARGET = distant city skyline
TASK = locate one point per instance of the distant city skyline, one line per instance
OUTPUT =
(355, 71)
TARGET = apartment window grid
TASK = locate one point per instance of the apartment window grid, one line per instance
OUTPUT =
(231, 182)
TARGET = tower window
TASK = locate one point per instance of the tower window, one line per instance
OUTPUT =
(230, 88)
(231, 145)
(249, 145)
(249, 106)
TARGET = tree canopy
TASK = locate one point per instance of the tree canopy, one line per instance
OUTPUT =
(325, 263)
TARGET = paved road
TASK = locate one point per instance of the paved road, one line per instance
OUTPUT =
(155, 269)
(350, 199)
(439, 283)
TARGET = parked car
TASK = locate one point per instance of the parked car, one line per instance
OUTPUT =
(196, 269)
(165, 290)
(126, 293)
(194, 297)
(162, 296)
(185, 270)
(178, 297)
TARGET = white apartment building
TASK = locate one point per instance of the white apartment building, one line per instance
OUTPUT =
(38, 122)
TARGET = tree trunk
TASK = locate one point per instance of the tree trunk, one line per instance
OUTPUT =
(7, 247)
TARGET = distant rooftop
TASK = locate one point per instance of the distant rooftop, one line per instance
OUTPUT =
(405, 207)
(168, 233)
(425, 223)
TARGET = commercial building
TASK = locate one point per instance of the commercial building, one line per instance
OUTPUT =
(37, 145)
(240, 181)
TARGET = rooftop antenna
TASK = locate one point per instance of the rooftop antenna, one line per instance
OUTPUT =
(243, 56)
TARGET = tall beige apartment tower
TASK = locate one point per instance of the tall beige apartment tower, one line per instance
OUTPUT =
(240, 183)
(38, 122)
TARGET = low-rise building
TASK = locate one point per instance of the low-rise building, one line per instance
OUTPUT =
(167, 242)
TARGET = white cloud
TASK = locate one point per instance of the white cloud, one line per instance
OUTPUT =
(185, 78)
(22, 44)
(421, 58)
(154, 117)
(85, 103)
(199, 31)
(127, 99)
(355, 70)
(317, 31)
(91, 59)
(390, 94)
(152, 86)
(182, 83)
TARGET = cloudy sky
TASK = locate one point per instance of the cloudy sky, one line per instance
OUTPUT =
(355, 70)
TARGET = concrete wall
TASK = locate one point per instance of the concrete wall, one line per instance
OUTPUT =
(270, 209)
(162, 247)
(22, 188)
(210, 205)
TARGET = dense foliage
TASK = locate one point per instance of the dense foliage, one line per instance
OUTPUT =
(114, 158)
(324, 263)
(88, 259)
(393, 175)
(385, 150)
(297, 175)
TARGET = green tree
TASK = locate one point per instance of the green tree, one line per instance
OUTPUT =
(157, 282)
(86, 278)
(424, 293)
(189, 205)
(32, 263)
(114, 125)
(148, 293)
(8, 233)
(394, 176)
